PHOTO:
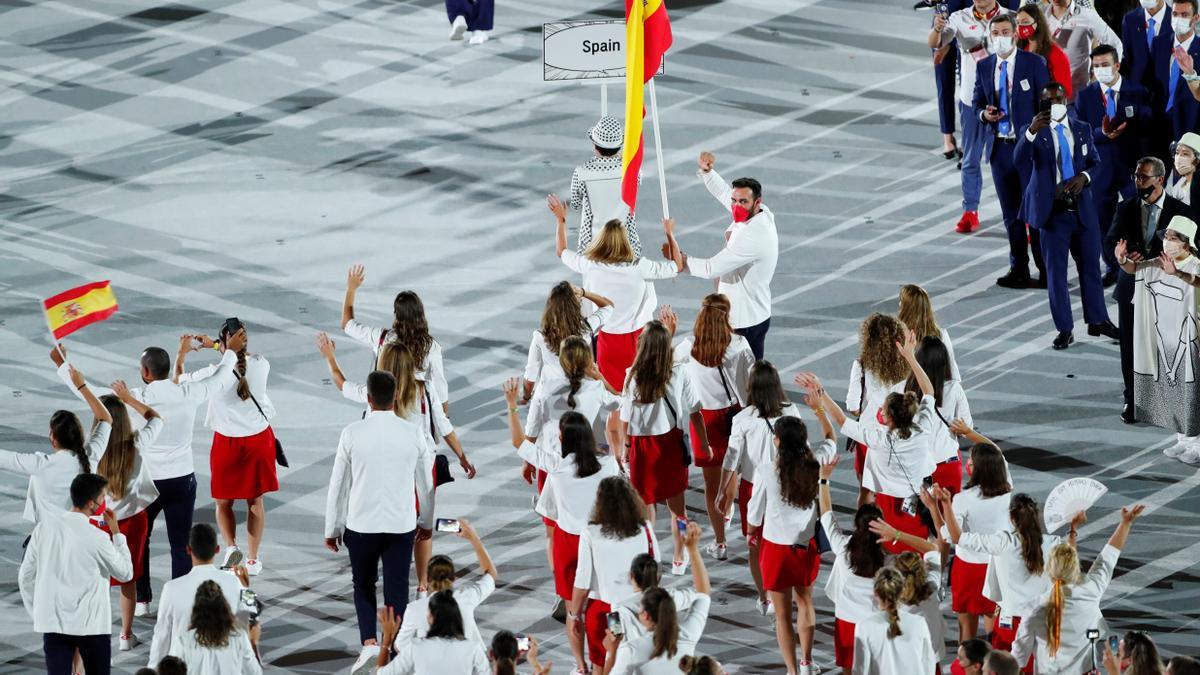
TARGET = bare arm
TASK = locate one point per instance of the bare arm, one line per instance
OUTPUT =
(516, 433)
(122, 392)
(354, 279)
(1128, 516)
(597, 299)
(559, 209)
(826, 502)
(672, 249)
(908, 351)
(98, 410)
(485, 561)
(329, 350)
(691, 539)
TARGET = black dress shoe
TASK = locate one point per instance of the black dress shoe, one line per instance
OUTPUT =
(1107, 329)
(1064, 340)
(1014, 279)
(1039, 282)
(1109, 278)
(1127, 415)
(955, 153)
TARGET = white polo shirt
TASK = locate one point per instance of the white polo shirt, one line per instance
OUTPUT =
(604, 561)
(64, 576)
(381, 461)
(542, 364)
(746, 265)
(628, 285)
(783, 523)
(722, 386)
(50, 474)
(652, 419)
(228, 414)
(568, 499)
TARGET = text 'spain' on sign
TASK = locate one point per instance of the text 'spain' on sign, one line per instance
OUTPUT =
(584, 50)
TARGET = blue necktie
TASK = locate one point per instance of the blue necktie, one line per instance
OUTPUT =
(1150, 36)
(1173, 82)
(1005, 123)
(1110, 108)
(1064, 154)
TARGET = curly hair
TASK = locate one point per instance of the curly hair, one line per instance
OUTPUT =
(712, 331)
(562, 317)
(618, 509)
(877, 353)
(212, 618)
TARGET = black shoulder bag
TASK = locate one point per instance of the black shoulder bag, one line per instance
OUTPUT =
(687, 445)
(280, 458)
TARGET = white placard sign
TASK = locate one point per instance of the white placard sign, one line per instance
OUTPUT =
(584, 50)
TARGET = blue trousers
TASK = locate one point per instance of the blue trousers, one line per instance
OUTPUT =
(1009, 186)
(1065, 234)
(756, 335)
(944, 76)
(94, 650)
(976, 144)
(478, 13)
(177, 501)
(366, 550)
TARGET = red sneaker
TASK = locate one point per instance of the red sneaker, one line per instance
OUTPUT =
(968, 223)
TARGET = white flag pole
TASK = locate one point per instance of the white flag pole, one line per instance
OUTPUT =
(604, 99)
(658, 153)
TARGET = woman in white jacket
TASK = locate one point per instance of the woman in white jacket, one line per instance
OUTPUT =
(214, 644)
(444, 649)
(890, 641)
(563, 317)
(130, 489)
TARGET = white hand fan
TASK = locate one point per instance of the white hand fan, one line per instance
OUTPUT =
(1069, 498)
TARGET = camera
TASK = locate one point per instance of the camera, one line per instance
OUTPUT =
(1093, 633)
(251, 604)
(1114, 644)
(447, 525)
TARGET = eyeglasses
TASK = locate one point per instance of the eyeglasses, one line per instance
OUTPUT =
(1144, 177)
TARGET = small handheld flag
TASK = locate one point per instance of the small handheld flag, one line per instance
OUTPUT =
(71, 310)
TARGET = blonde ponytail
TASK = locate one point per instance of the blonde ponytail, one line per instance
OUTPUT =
(888, 587)
(1063, 570)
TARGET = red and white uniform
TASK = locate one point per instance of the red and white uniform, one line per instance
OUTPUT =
(429, 415)
(853, 596)
(568, 500)
(603, 569)
(656, 454)
(140, 491)
(752, 445)
(930, 610)
(432, 371)
(866, 394)
(631, 290)
(980, 515)
(1009, 583)
(789, 556)
(542, 364)
(242, 460)
(722, 392)
(949, 471)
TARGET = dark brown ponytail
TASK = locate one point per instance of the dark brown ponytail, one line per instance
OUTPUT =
(658, 604)
(1023, 512)
(902, 410)
(68, 434)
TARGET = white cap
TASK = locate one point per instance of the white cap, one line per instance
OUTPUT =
(1192, 140)
(608, 134)
(1185, 226)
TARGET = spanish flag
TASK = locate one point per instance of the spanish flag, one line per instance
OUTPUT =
(71, 310)
(647, 38)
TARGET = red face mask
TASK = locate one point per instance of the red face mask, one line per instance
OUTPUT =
(740, 214)
(1026, 32)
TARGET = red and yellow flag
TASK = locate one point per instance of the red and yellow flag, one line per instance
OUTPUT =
(71, 310)
(647, 38)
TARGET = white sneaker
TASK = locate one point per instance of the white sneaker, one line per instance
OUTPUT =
(458, 27)
(804, 669)
(128, 642)
(1180, 447)
(253, 567)
(233, 558)
(1190, 456)
(718, 551)
(479, 37)
(366, 660)
(141, 609)
(422, 593)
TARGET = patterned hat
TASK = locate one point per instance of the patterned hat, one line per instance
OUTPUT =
(1192, 141)
(607, 133)
(1184, 226)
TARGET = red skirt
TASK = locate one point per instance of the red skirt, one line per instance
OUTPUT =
(243, 467)
(614, 355)
(1003, 638)
(843, 644)
(595, 623)
(966, 587)
(542, 475)
(136, 529)
(656, 467)
(745, 490)
(566, 560)
(860, 460)
(949, 475)
(787, 567)
(892, 515)
(717, 423)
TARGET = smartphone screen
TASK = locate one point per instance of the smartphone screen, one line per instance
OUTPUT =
(522, 643)
(614, 623)
(1114, 644)
(447, 525)
(682, 524)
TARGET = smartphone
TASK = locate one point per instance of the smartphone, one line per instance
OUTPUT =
(522, 642)
(1114, 644)
(1093, 633)
(447, 525)
(1044, 105)
(250, 600)
(927, 481)
(614, 624)
(682, 524)
(231, 325)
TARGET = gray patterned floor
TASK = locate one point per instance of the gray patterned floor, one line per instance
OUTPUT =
(233, 157)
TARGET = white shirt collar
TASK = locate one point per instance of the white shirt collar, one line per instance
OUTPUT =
(1011, 60)
(1116, 86)
(1186, 44)
(1158, 20)
(1065, 16)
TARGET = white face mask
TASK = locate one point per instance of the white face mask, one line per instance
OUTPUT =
(1003, 44)
(1175, 249)
(1184, 165)
(1104, 74)
(1180, 25)
(1057, 111)
(1148, 4)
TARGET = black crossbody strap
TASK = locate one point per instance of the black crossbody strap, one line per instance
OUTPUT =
(724, 383)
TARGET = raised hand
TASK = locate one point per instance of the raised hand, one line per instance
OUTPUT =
(959, 427)
(1132, 513)
(187, 343)
(120, 390)
(1168, 263)
(511, 387)
(326, 345)
(355, 277)
(828, 467)
(237, 341)
(77, 378)
(1185, 61)
(668, 317)
(706, 161)
(57, 354)
(557, 206)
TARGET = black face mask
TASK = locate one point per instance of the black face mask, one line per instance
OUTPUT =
(1146, 192)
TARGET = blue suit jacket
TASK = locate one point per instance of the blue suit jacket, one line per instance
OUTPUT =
(1029, 76)
(1136, 62)
(1185, 115)
(1041, 161)
(1117, 157)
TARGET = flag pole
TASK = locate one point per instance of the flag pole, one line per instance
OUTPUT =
(658, 153)
(53, 340)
